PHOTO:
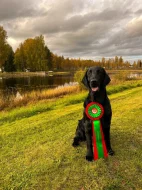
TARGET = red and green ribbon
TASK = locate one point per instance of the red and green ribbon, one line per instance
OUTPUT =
(95, 111)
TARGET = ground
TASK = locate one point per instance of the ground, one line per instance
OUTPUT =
(36, 151)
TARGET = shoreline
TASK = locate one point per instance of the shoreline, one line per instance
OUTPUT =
(44, 73)
(27, 74)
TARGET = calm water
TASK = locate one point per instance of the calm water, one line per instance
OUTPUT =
(23, 84)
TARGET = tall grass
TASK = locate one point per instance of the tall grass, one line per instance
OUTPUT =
(34, 96)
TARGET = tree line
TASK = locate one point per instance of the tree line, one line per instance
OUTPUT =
(33, 55)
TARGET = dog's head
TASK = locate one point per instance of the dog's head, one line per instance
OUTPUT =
(95, 78)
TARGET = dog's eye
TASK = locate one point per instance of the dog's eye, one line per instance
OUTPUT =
(90, 71)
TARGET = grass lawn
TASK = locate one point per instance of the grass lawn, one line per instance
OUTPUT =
(36, 151)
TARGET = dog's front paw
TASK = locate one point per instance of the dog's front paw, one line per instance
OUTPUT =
(75, 142)
(111, 152)
(89, 157)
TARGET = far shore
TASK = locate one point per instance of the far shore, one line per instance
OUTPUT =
(46, 73)
(26, 74)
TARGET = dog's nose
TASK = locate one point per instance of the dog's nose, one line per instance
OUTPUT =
(94, 83)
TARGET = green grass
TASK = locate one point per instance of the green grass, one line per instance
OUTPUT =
(36, 151)
(123, 86)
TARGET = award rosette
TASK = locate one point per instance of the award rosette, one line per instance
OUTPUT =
(95, 111)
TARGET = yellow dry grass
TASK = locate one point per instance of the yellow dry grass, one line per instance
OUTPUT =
(35, 96)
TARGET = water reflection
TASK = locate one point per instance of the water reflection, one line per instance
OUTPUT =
(33, 83)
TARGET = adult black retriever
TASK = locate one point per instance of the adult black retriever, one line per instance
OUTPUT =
(95, 80)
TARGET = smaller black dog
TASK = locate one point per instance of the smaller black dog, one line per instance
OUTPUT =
(95, 80)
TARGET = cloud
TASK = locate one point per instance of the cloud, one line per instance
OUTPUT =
(134, 27)
(10, 9)
(79, 28)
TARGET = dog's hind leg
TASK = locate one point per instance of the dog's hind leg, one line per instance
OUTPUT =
(80, 133)
(88, 133)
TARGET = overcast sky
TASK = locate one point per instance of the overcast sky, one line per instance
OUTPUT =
(77, 28)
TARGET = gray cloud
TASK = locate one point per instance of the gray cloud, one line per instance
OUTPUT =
(10, 9)
(79, 28)
(139, 12)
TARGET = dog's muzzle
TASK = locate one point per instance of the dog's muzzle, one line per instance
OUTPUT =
(94, 85)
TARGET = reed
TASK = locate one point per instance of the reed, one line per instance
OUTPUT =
(34, 96)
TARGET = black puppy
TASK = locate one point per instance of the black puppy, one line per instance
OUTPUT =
(95, 80)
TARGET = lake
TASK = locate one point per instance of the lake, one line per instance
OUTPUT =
(10, 85)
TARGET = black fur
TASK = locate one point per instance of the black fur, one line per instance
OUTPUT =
(95, 77)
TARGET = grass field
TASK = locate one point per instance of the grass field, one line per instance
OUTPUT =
(36, 151)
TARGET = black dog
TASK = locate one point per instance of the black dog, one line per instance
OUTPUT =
(95, 80)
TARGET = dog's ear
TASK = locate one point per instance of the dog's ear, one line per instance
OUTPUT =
(106, 79)
(85, 80)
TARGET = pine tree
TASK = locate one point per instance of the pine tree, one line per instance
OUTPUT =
(9, 63)
(3, 46)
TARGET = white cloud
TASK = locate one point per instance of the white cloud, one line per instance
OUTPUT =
(134, 27)
(14, 43)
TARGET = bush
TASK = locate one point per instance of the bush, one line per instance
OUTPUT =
(122, 76)
(78, 76)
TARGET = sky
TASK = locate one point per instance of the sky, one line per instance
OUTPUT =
(89, 29)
